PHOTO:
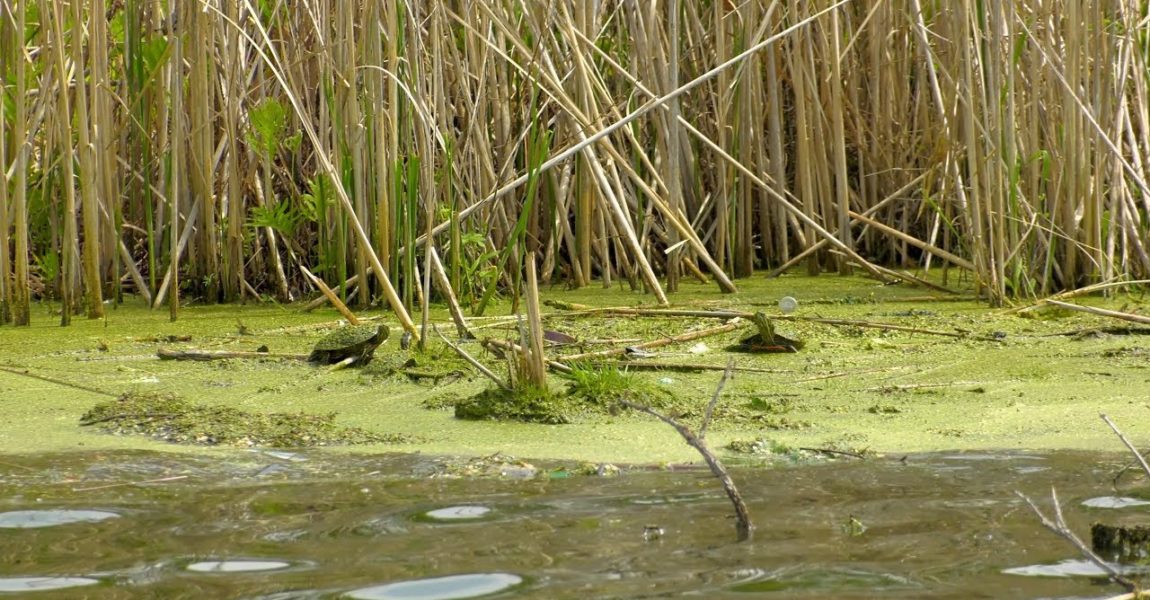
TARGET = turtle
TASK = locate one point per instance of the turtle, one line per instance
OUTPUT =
(766, 340)
(355, 342)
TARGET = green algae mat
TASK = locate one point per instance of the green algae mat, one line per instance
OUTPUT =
(917, 370)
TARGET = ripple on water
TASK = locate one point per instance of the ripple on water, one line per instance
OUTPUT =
(818, 579)
(237, 566)
(27, 519)
(1114, 502)
(40, 584)
(457, 513)
(439, 588)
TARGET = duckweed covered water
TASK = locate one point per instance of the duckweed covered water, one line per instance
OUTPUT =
(321, 526)
(1025, 381)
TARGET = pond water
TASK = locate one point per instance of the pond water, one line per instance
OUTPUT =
(282, 526)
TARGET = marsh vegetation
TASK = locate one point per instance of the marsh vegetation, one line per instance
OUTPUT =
(209, 151)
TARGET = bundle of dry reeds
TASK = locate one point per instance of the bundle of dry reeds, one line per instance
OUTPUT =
(211, 148)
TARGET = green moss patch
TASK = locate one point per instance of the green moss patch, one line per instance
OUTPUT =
(172, 419)
(526, 403)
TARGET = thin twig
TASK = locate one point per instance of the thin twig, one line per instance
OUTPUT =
(685, 337)
(744, 528)
(1102, 312)
(475, 363)
(1059, 528)
(710, 412)
(26, 373)
(830, 452)
(1137, 454)
(112, 485)
(632, 365)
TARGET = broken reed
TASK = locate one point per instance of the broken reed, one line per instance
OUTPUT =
(211, 149)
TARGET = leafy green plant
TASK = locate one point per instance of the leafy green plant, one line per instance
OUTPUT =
(268, 125)
(606, 386)
(281, 217)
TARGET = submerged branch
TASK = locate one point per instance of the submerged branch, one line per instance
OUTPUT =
(1058, 527)
(744, 528)
(1102, 312)
(169, 354)
(1137, 455)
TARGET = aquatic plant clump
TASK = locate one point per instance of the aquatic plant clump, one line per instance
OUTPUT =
(526, 403)
(604, 387)
(172, 419)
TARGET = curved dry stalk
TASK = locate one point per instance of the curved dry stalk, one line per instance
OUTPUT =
(744, 528)
(1059, 527)
(1137, 455)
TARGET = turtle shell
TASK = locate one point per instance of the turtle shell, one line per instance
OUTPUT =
(352, 341)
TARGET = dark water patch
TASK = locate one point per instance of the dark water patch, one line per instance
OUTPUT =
(24, 585)
(452, 587)
(925, 531)
(32, 519)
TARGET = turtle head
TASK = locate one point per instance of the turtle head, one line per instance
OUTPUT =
(766, 327)
(382, 332)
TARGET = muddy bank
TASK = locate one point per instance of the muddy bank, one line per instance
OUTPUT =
(849, 388)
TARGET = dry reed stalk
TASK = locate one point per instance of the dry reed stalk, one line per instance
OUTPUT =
(105, 147)
(431, 97)
(444, 283)
(839, 141)
(232, 208)
(201, 145)
(69, 277)
(533, 357)
(273, 62)
(331, 296)
(89, 174)
(175, 169)
(1133, 318)
(5, 259)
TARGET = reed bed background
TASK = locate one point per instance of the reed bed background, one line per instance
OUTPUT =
(210, 149)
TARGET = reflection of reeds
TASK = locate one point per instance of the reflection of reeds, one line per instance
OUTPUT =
(1013, 137)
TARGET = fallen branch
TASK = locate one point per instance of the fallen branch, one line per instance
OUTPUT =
(679, 367)
(1137, 455)
(1102, 312)
(514, 348)
(838, 374)
(829, 452)
(888, 327)
(323, 299)
(168, 354)
(27, 373)
(905, 387)
(685, 337)
(732, 314)
(743, 526)
(331, 297)
(1058, 527)
(471, 360)
(1078, 292)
